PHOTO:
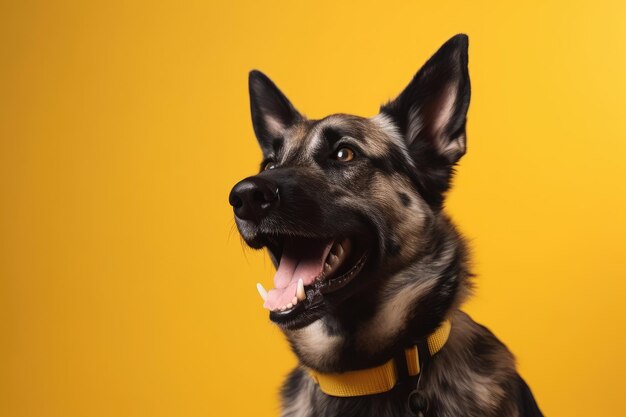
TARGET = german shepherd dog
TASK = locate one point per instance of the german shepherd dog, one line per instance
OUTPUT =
(351, 212)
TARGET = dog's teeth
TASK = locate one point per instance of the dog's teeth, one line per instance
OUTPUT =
(261, 291)
(326, 267)
(300, 291)
(294, 300)
(346, 244)
(332, 259)
(337, 249)
(289, 306)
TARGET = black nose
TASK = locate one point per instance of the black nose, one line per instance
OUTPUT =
(253, 198)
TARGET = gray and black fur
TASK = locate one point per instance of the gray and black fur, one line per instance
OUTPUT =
(389, 198)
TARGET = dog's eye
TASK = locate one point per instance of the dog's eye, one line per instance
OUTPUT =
(269, 165)
(344, 154)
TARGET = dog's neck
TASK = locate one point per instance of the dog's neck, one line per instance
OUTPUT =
(407, 306)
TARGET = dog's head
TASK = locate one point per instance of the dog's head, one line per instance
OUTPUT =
(344, 202)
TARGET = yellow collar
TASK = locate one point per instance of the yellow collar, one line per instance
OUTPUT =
(380, 378)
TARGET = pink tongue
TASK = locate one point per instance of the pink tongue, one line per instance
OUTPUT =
(301, 259)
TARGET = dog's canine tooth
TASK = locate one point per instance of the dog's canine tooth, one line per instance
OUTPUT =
(346, 245)
(262, 291)
(338, 249)
(300, 291)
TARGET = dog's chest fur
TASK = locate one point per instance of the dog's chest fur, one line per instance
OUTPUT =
(474, 375)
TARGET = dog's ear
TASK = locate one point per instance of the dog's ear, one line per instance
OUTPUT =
(272, 112)
(432, 109)
(431, 114)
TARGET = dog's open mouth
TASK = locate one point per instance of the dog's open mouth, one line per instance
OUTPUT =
(308, 269)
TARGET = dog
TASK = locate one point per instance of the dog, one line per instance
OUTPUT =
(371, 272)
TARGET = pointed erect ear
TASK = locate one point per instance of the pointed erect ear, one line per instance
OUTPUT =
(432, 109)
(272, 112)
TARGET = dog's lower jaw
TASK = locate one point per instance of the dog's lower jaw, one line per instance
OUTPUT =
(377, 322)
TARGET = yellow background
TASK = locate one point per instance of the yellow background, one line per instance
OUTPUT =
(124, 288)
